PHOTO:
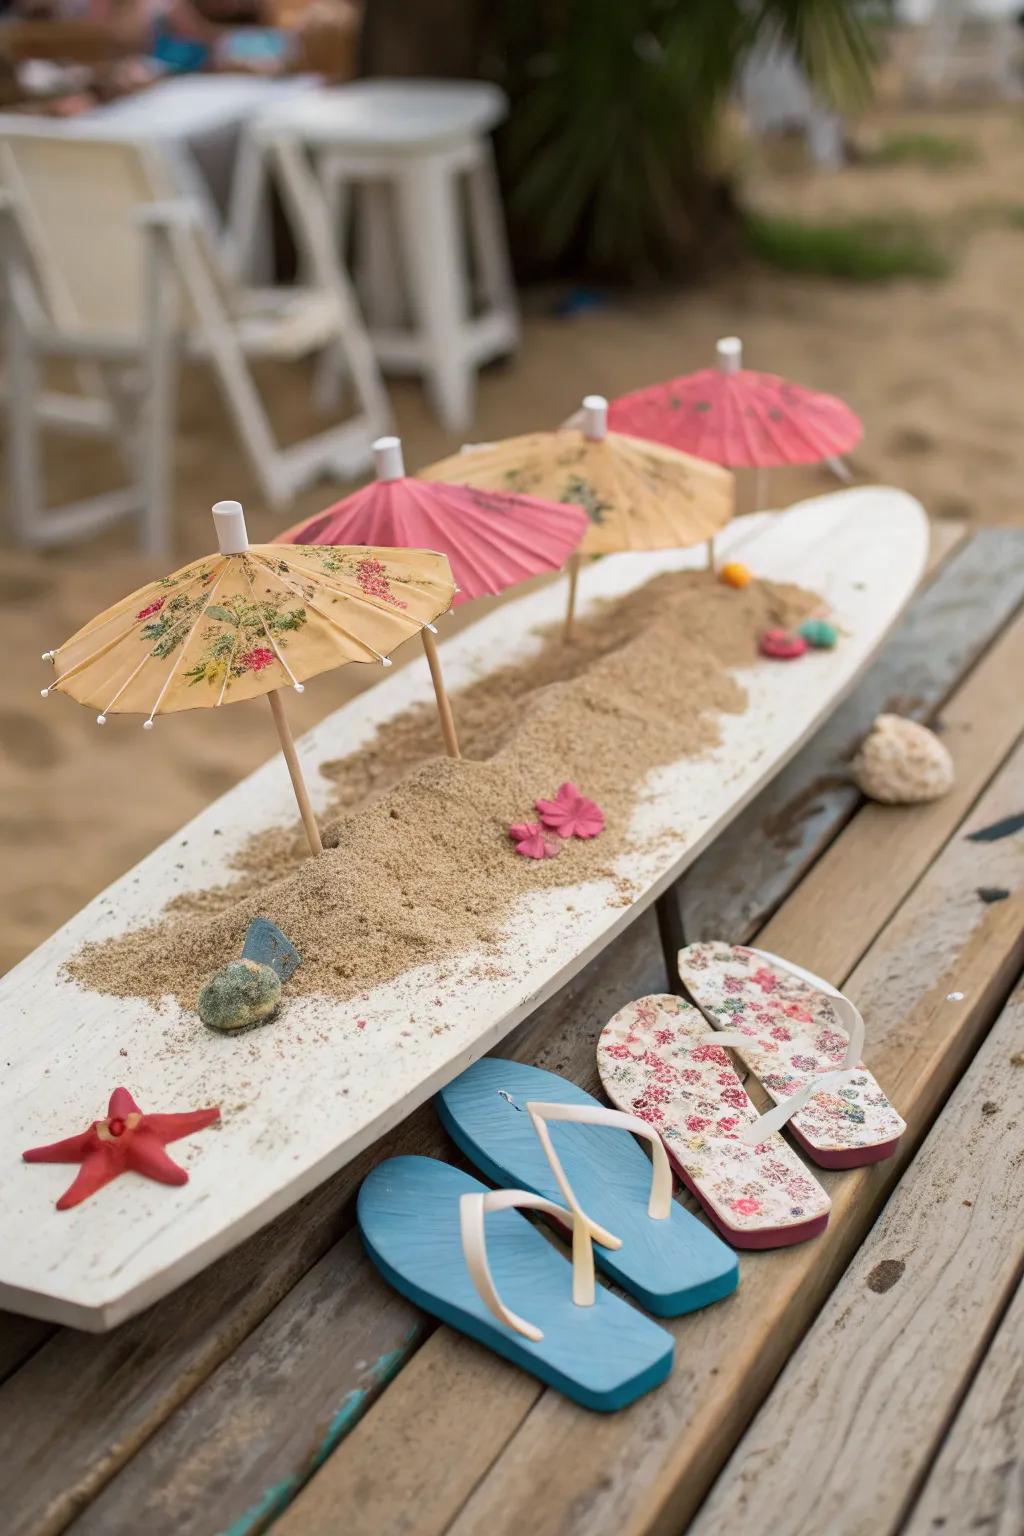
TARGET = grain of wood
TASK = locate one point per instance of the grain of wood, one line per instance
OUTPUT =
(861, 877)
(565, 1472)
(879, 1376)
(181, 1481)
(977, 1482)
(424, 1486)
(755, 862)
(237, 1450)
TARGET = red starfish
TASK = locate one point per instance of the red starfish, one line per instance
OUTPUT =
(126, 1139)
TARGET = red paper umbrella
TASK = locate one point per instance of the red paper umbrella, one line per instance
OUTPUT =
(493, 539)
(734, 416)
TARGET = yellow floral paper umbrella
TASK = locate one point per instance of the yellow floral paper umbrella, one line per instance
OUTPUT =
(250, 620)
(638, 495)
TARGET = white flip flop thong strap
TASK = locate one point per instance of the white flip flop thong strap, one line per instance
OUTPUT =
(850, 1019)
(659, 1204)
(473, 1208)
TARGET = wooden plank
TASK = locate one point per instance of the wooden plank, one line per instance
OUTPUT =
(930, 985)
(853, 881)
(878, 1377)
(732, 889)
(155, 1362)
(977, 1483)
(329, 1092)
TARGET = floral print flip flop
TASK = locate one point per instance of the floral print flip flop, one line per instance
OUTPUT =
(659, 1059)
(803, 1041)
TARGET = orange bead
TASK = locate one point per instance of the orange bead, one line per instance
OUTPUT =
(735, 574)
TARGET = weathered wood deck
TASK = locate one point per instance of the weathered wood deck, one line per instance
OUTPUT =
(865, 1382)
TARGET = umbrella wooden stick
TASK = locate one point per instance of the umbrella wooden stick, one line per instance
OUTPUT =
(595, 427)
(760, 488)
(570, 613)
(709, 545)
(229, 521)
(444, 708)
(291, 757)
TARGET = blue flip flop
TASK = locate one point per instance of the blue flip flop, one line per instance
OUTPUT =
(423, 1223)
(672, 1266)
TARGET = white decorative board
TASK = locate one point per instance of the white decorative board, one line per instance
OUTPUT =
(302, 1096)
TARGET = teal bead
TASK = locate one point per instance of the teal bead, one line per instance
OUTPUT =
(819, 633)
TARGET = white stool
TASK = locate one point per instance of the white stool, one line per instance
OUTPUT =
(432, 269)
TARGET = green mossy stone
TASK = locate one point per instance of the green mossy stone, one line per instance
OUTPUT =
(819, 633)
(243, 993)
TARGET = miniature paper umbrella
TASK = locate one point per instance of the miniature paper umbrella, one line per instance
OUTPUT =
(247, 621)
(493, 539)
(732, 415)
(637, 495)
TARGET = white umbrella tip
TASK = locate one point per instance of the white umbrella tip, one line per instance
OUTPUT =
(300, 687)
(44, 693)
(595, 416)
(101, 719)
(385, 661)
(730, 353)
(147, 725)
(229, 521)
(387, 458)
(48, 655)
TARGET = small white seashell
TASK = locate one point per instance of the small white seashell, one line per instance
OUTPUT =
(902, 763)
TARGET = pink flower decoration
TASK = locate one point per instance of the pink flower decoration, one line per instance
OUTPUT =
(530, 841)
(146, 613)
(571, 814)
(746, 1206)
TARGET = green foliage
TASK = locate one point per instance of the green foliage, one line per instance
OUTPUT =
(935, 151)
(862, 250)
(608, 152)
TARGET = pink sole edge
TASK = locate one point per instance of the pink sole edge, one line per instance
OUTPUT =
(763, 1237)
(851, 1157)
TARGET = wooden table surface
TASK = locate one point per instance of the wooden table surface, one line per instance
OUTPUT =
(868, 1382)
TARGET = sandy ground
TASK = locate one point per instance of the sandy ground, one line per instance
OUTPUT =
(934, 369)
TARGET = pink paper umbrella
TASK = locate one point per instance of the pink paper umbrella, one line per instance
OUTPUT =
(739, 418)
(493, 539)
(733, 416)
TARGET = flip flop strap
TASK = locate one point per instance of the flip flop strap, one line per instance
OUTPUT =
(473, 1208)
(849, 1017)
(659, 1204)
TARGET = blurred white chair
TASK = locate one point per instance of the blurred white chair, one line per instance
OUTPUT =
(432, 271)
(106, 261)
